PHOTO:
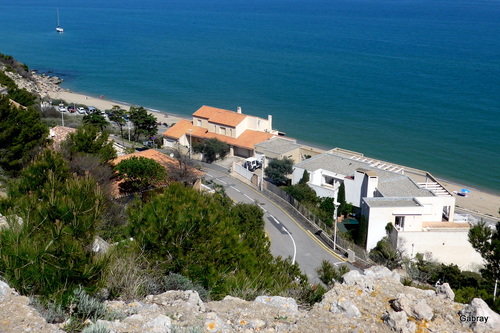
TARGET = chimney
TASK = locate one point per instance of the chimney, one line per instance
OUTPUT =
(270, 123)
(238, 109)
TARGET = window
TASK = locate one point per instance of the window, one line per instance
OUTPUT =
(328, 180)
(400, 223)
(199, 122)
(223, 130)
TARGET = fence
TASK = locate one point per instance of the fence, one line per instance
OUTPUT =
(239, 169)
(319, 227)
(464, 218)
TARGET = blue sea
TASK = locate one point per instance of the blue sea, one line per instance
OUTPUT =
(414, 82)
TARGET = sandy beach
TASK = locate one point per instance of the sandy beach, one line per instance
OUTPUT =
(105, 104)
(477, 202)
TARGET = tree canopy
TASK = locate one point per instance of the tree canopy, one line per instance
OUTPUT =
(117, 116)
(21, 134)
(144, 122)
(50, 253)
(140, 173)
(97, 120)
(279, 169)
(486, 241)
(87, 139)
(212, 149)
(210, 240)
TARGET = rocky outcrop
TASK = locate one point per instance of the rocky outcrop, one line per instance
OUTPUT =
(369, 301)
(17, 317)
(39, 84)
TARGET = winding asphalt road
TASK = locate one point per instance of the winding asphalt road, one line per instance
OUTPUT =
(297, 243)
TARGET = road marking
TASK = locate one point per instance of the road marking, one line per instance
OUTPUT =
(325, 247)
(307, 232)
(206, 173)
(222, 181)
(248, 197)
(304, 230)
(234, 188)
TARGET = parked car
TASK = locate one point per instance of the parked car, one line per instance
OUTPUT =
(71, 109)
(62, 108)
(92, 109)
(252, 164)
(81, 110)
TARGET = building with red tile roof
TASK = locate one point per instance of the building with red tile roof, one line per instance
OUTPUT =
(242, 132)
(170, 164)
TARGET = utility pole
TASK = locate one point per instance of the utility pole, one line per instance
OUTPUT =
(128, 122)
(495, 291)
(336, 205)
(263, 167)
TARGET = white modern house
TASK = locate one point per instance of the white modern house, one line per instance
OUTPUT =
(422, 213)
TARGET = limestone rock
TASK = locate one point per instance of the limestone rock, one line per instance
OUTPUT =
(385, 306)
(396, 321)
(16, 316)
(176, 298)
(287, 304)
(444, 290)
(214, 324)
(346, 307)
(381, 272)
(479, 317)
(422, 310)
(160, 324)
(354, 277)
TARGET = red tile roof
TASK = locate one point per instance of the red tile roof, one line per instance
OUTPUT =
(165, 160)
(248, 139)
(220, 116)
(179, 129)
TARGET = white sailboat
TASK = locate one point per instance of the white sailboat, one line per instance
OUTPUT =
(58, 29)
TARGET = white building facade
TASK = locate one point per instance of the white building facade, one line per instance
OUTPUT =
(386, 195)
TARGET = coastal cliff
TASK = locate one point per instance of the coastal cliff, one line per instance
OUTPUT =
(372, 301)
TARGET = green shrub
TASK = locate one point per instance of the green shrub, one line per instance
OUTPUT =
(175, 281)
(49, 254)
(329, 274)
(50, 311)
(85, 307)
(96, 328)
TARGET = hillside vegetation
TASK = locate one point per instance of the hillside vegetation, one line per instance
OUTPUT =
(58, 202)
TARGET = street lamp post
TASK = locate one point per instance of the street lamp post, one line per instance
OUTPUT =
(263, 167)
(190, 141)
(128, 123)
(336, 205)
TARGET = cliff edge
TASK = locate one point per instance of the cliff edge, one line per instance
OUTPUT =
(372, 301)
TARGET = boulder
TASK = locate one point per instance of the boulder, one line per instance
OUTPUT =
(381, 272)
(421, 310)
(355, 278)
(215, 324)
(160, 324)
(479, 317)
(175, 298)
(346, 307)
(396, 321)
(444, 290)
(287, 304)
(4, 290)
